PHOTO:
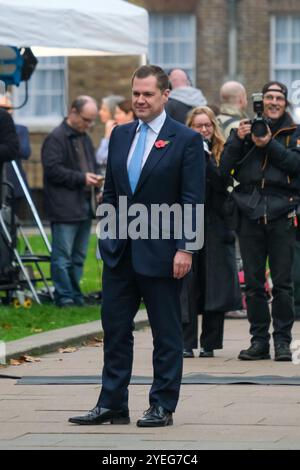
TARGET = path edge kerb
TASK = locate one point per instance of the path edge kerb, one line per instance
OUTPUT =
(51, 341)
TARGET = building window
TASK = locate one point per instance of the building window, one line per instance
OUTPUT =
(46, 104)
(173, 41)
(285, 53)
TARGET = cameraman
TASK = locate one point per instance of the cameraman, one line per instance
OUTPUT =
(9, 146)
(267, 170)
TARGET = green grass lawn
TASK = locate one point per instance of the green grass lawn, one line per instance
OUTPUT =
(91, 280)
(18, 323)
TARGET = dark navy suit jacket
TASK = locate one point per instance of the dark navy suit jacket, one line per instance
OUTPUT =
(172, 174)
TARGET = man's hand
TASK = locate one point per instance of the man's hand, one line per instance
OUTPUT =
(244, 128)
(91, 179)
(262, 141)
(182, 264)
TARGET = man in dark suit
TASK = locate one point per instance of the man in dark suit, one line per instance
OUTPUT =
(152, 161)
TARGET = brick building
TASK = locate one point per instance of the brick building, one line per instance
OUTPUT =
(249, 40)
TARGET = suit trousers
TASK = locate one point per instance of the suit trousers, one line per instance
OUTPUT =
(275, 241)
(123, 290)
(212, 332)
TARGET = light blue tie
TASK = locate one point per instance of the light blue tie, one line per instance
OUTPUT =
(135, 165)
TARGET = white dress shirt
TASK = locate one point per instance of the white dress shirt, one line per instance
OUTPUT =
(152, 134)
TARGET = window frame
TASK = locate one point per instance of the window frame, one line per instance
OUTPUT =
(191, 39)
(42, 123)
(288, 66)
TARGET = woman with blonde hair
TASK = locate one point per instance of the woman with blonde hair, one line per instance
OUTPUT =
(203, 120)
(212, 288)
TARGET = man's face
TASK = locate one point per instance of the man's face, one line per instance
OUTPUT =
(274, 103)
(148, 100)
(83, 120)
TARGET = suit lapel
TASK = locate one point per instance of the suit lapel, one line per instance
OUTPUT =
(156, 154)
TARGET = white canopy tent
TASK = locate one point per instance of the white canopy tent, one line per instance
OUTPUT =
(74, 27)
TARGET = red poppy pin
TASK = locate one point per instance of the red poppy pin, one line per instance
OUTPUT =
(160, 144)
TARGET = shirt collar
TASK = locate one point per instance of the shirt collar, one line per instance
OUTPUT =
(156, 124)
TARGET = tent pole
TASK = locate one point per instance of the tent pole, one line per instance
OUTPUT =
(143, 59)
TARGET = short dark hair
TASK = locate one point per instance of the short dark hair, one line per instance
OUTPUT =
(80, 101)
(147, 70)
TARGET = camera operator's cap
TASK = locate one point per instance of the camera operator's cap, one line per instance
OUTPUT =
(281, 88)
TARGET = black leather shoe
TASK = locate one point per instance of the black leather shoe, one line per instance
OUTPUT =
(282, 352)
(102, 415)
(188, 353)
(256, 352)
(156, 416)
(206, 353)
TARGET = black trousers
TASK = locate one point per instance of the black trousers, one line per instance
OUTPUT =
(296, 279)
(122, 292)
(212, 332)
(275, 241)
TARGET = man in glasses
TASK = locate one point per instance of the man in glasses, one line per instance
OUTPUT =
(69, 163)
(265, 158)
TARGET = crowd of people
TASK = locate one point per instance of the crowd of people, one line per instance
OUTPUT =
(246, 172)
(251, 204)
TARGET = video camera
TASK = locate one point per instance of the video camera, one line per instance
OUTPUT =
(260, 124)
(16, 64)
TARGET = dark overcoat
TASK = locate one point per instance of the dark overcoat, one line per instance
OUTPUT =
(213, 285)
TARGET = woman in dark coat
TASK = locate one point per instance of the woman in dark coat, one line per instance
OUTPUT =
(212, 287)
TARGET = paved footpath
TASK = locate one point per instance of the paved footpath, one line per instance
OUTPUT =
(208, 416)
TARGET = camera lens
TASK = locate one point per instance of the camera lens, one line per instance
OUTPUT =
(259, 128)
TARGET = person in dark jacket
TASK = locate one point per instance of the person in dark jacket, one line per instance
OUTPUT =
(9, 148)
(24, 154)
(69, 175)
(9, 145)
(267, 170)
(212, 287)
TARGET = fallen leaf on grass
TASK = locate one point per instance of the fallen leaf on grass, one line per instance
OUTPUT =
(67, 350)
(15, 362)
(94, 342)
(23, 359)
(30, 359)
